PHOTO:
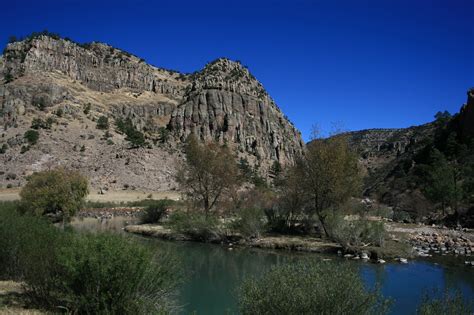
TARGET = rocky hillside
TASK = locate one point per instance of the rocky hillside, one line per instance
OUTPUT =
(389, 158)
(69, 86)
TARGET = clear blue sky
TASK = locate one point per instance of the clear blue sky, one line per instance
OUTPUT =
(362, 64)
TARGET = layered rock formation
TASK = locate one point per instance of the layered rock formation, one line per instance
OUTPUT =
(223, 102)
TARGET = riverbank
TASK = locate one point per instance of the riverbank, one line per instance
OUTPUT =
(404, 241)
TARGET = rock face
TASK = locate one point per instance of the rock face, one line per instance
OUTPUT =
(223, 102)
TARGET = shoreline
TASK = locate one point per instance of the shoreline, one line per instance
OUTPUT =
(399, 247)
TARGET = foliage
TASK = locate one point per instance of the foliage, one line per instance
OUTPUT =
(320, 181)
(103, 123)
(3, 148)
(83, 273)
(54, 192)
(31, 136)
(448, 304)
(360, 232)
(249, 222)
(154, 212)
(195, 224)
(8, 77)
(39, 123)
(135, 137)
(87, 108)
(59, 112)
(41, 101)
(18, 234)
(310, 287)
(208, 175)
(164, 134)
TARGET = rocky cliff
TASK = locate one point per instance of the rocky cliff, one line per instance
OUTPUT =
(44, 75)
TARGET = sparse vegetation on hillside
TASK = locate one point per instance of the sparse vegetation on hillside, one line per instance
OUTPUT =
(135, 137)
(103, 123)
(31, 136)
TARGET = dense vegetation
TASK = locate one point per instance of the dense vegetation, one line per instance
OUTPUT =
(441, 167)
(64, 271)
(310, 287)
(57, 192)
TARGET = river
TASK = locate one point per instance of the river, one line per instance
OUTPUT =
(213, 273)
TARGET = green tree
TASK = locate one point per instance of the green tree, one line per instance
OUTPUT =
(310, 287)
(164, 134)
(329, 176)
(135, 137)
(103, 123)
(57, 192)
(442, 181)
(210, 172)
(31, 136)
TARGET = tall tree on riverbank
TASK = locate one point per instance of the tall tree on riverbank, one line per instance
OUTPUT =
(209, 173)
(329, 176)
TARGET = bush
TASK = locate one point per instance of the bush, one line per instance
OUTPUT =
(360, 232)
(26, 243)
(59, 112)
(4, 148)
(135, 137)
(83, 273)
(31, 136)
(309, 287)
(195, 225)
(107, 274)
(103, 123)
(55, 192)
(249, 222)
(38, 123)
(447, 304)
(154, 212)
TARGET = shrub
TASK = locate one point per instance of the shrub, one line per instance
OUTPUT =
(195, 225)
(55, 192)
(87, 108)
(154, 212)
(350, 233)
(41, 101)
(107, 274)
(38, 123)
(447, 304)
(26, 243)
(103, 123)
(59, 112)
(135, 137)
(83, 273)
(310, 287)
(31, 136)
(8, 77)
(4, 148)
(24, 149)
(249, 222)
(402, 216)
